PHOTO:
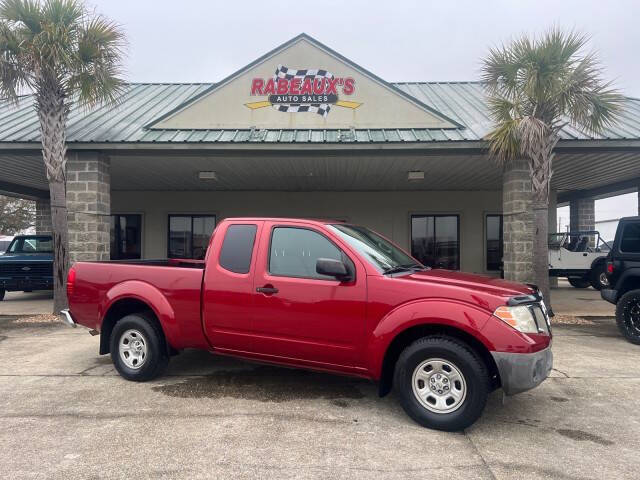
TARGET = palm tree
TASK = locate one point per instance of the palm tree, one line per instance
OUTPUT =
(61, 53)
(535, 87)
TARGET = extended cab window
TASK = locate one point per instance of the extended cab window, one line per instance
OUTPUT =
(630, 242)
(237, 247)
(295, 251)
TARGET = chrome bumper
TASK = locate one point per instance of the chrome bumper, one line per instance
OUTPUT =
(67, 318)
(520, 372)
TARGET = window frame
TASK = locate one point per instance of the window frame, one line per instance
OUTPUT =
(456, 214)
(190, 215)
(142, 224)
(484, 228)
(349, 263)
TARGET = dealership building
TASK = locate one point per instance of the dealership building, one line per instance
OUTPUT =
(303, 131)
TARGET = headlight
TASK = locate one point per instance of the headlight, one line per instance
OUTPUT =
(519, 317)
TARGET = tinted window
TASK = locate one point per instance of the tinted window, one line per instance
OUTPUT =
(235, 255)
(294, 252)
(630, 238)
(435, 241)
(494, 242)
(126, 233)
(189, 235)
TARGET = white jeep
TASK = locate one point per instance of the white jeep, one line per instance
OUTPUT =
(579, 256)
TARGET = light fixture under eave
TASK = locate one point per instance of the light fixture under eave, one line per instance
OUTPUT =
(207, 176)
(415, 175)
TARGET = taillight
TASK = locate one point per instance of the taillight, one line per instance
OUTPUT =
(609, 268)
(71, 280)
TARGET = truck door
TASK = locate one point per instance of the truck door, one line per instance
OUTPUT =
(227, 291)
(299, 314)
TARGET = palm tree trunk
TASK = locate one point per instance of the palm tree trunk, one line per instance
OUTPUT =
(541, 250)
(52, 113)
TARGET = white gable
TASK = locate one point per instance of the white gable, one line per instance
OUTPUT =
(313, 88)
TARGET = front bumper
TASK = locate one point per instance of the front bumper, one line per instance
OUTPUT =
(520, 372)
(609, 295)
(12, 284)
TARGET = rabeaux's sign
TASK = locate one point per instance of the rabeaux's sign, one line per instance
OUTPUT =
(304, 90)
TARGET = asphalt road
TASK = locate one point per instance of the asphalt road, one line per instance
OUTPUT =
(64, 413)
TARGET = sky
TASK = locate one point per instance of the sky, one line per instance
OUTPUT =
(399, 40)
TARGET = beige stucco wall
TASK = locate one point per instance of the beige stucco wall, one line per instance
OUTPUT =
(387, 212)
(381, 106)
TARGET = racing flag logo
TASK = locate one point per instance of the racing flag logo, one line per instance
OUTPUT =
(307, 90)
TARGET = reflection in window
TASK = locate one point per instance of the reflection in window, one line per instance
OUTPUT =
(189, 235)
(494, 242)
(126, 234)
(435, 240)
(295, 251)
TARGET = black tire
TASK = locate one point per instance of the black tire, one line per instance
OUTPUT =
(598, 276)
(628, 316)
(156, 358)
(2, 292)
(465, 359)
(578, 282)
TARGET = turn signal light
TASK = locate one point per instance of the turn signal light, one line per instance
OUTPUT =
(609, 268)
(71, 280)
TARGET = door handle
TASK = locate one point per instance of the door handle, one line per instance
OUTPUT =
(267, 290)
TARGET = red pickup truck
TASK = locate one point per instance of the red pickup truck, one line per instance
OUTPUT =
(328, 296)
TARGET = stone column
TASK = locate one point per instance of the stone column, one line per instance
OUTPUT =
(43, 216)
(88, 206)
(582, 214)
(517, 222)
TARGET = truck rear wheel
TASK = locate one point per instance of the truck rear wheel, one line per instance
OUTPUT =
(628, 316)
(138, 348)
(598, 276)
(442, 383)
(578, 282)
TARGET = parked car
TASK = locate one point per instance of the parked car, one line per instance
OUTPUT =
(328, 296)
(27, 264)
(623, 271)
(579, 256)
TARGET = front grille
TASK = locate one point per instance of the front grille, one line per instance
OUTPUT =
(24, 270)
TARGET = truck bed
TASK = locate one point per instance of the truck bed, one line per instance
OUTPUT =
(175, 282)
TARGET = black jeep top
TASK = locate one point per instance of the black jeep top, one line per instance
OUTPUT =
(623, 261)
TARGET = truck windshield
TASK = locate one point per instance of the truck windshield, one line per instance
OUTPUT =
(384, 255)
(31, 245)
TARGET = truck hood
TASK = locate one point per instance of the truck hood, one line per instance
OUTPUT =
(26, 257)
(492, 286)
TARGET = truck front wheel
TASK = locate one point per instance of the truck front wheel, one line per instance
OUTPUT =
(442, 383)
(628, 316)
(138, 348)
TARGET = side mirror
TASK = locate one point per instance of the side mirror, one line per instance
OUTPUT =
(333, 268)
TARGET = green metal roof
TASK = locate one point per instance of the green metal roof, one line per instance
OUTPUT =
(142, 103)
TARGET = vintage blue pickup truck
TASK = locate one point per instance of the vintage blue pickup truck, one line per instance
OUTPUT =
(27, 264)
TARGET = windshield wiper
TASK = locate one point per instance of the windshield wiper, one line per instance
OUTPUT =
(403, 268)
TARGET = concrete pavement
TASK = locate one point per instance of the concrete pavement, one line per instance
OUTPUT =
(64, 413)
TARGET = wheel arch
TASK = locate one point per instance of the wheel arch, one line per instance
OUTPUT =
(629, 280)
(598, 261)
(120, 308)
(415, 332)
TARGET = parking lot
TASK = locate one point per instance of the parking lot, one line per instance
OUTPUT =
(66, 414)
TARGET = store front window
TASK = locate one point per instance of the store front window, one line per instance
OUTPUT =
(435, 240)
(126, 235)
(494, 243)
(189, 235)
